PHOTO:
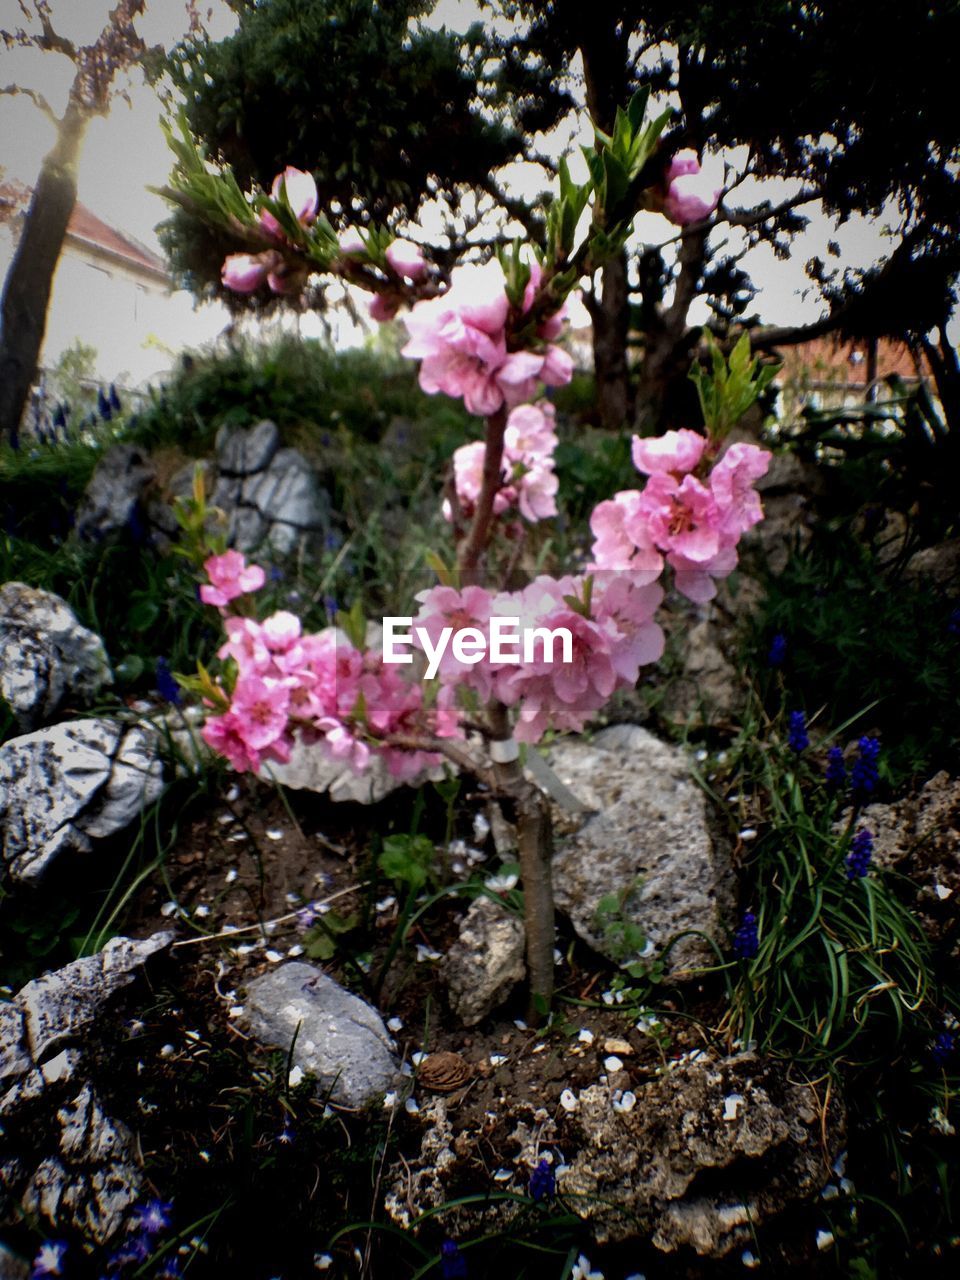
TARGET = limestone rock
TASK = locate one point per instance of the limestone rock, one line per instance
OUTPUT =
(486, 962)
(116, 489)
(311, 769)
(46, 656)
(662, 1163)
(244, 452)
(706, 688)
(939, 565)
(649, 840)
(341, 1040)
(66, 1160)
(64, 787)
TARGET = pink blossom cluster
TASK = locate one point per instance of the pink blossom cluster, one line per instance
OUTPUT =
(608, 615)
(314, 686)
(692, 191)
(244, 272)
(529, 481)
(689, 512)
(460, 340)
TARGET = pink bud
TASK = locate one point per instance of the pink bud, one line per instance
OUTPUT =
(692, 194)
(682, 163)
(243, 273)
(383, 308)
(301, 191)
(406, 259)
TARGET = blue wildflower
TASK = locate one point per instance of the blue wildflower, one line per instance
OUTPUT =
(276, 573)
(860, 855)
(943, 1048)
(103, 405)
(171, 1270)
(798, 739)
(333, 541)
(135, 1249)
(746, 941)
(836, 774)
(863, 774)
(331, 606)
(307, 916)
(777, 653)
(453, 1265)
(115, 404)
(543, 1182)
(167, 686)
(287, 1134)
(49, 1260)
(154, 1217)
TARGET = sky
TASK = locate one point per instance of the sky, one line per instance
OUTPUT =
(125, 152)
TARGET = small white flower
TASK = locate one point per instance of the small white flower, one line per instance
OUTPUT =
(167, 1051)
(233, 795)
(395, 1024)
(295, 1077)
(385, 904)
(231, 875)
(273, 956)
(295, 950)
(824, 1240)
(497, 1059)
(613, 1063)
(648, 949)
(942, 891)
(625, 1102)
(585, 1036)
(389, 1101)
(236, 1011)
(426, 953)
(245, 948)
(481, 827)
(418, 1057)
(581, 1270)
(749, 1259)
(411, 1106)
(647, 1023)
(830, 1192)
(520, 1024)
(273, 833)
(748, 833)
(568, 1100)
(322, 1261)
(168, 908)
(501, 883)
(607, 997)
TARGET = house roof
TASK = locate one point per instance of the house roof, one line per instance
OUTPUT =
(89, 231)
(828, 361)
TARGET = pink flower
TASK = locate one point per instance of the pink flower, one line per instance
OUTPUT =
(531, 433)
(406, 259)
(681, 516)
(557, 367)
(230, 576)
(693, 192)
(731, 483)
(537, 493)
(281, 630)
(260, 708)
(243, 273)
(622, 539)
(696, 580)
(222, 734)
(351, 241)
(675, 451)
(301, 193)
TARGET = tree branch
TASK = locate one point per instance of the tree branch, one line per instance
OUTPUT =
(38, 100)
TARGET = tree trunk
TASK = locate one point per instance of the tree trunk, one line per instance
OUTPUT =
(610, 315)
(26, 293)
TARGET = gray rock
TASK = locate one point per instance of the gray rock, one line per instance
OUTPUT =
(242, 452)
(341, 1039)
(288, 497)
(118, 485)
(660, 1167)
(64, 787)
(66, 1160)
(939, 565)
(707, 688)
(46, 656)
(311, 769)
(486, 962)
(649, 840)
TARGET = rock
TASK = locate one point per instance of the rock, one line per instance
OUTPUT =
(116, 489)
(244, 452)
(271, 496)
(649, 841)
(311, 769)
(46, 656)
(920, 838)
(339, 1038)
(660, 1166)
(939, 565)
(486, 962)
(64, 787)
(69, 1161)
(707, 688)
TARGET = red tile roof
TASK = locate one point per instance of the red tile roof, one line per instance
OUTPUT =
(86, 229)
(830, 362)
